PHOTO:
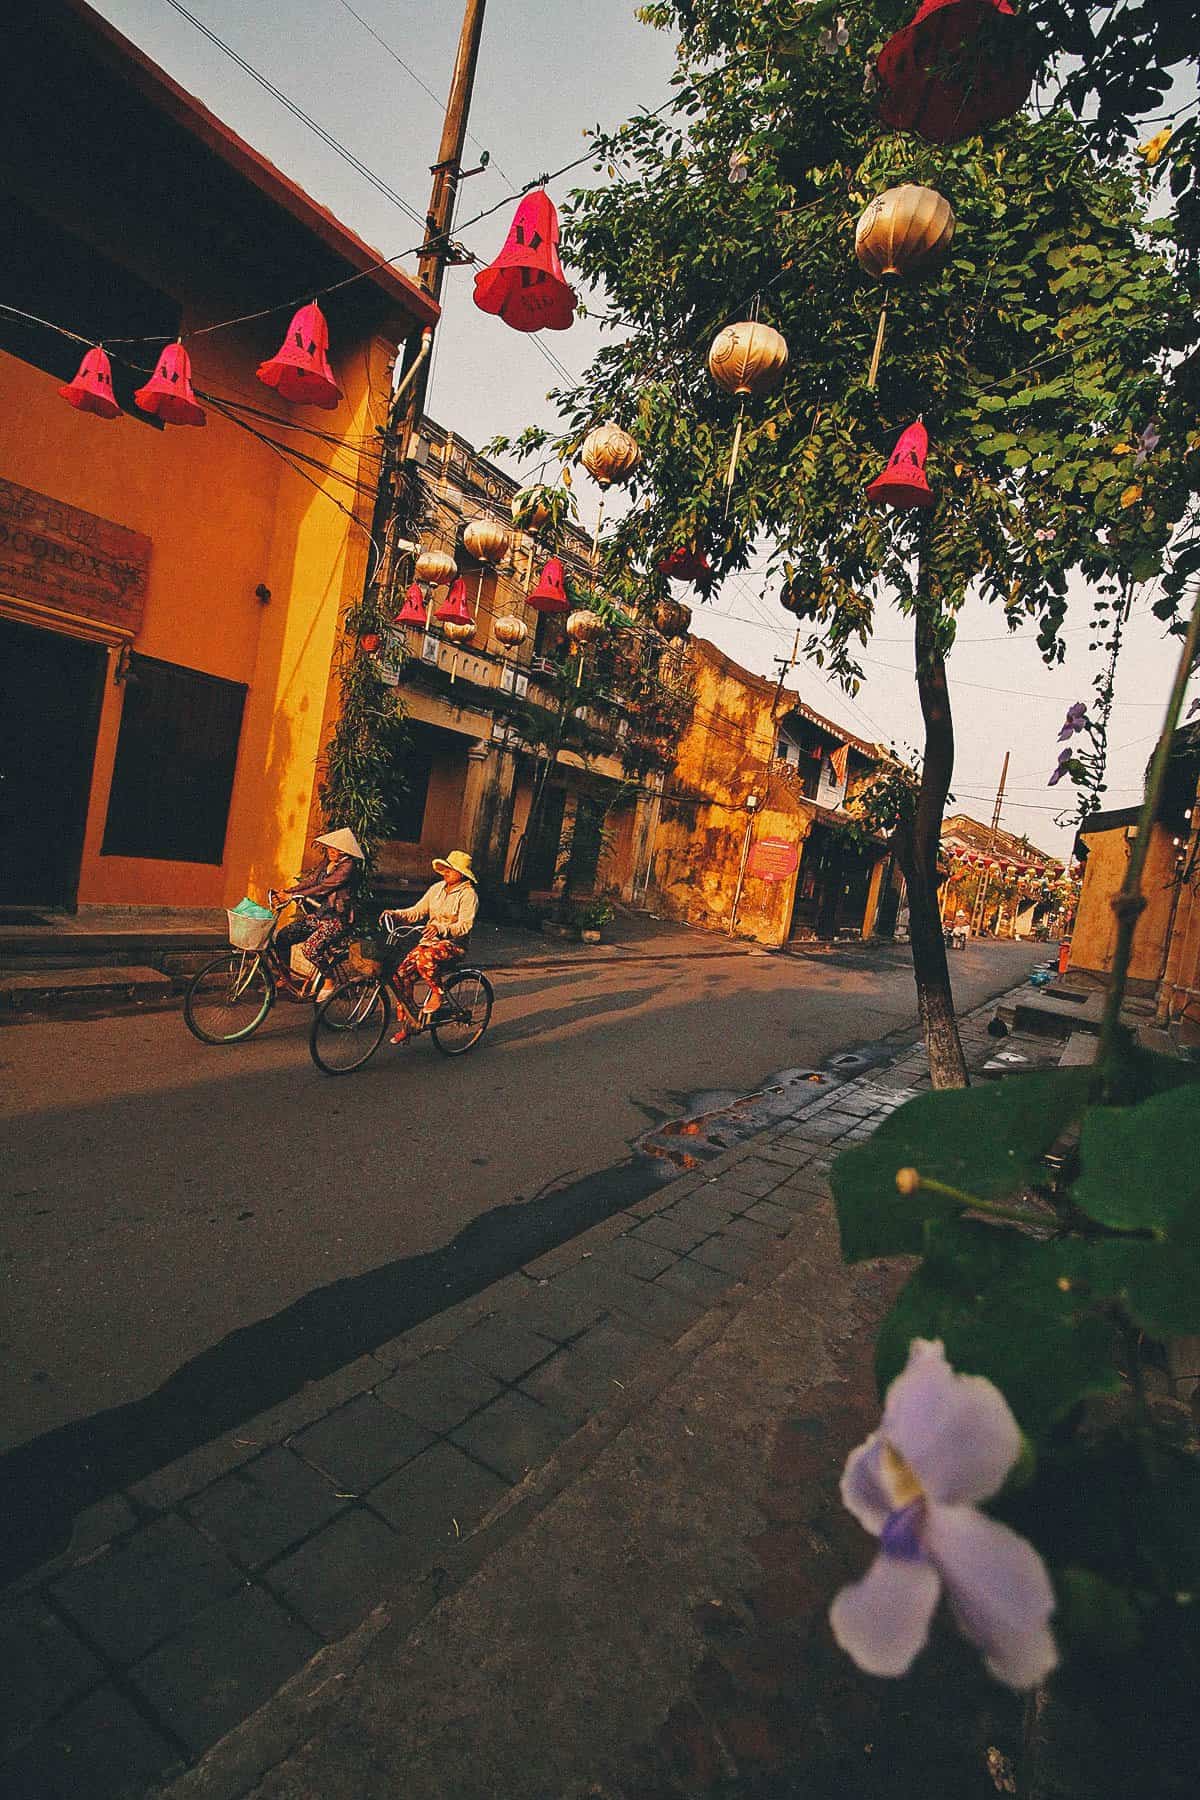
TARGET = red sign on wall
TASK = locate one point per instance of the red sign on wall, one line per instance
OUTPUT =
(70, 560)
(773, 859)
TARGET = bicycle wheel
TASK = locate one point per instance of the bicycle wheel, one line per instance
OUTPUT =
(349, 1027)
(465, 1012)
(229, 998)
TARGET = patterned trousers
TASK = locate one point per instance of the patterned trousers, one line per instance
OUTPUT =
(422, 964)
(314, 940)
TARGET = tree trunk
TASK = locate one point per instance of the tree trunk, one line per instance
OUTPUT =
(919, 856)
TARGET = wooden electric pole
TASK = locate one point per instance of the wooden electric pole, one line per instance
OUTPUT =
(986, 882)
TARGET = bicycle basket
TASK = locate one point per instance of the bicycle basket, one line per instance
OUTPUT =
(247, 933)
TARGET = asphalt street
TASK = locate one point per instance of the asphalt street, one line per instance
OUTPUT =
(222, 1224)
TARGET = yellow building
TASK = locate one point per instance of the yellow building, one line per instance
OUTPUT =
(1166, 947)
(170, 597)
(753, 835)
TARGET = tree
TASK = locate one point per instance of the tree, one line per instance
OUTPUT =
(1035, 357)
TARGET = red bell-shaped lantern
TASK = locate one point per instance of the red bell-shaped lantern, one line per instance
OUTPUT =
(92, 389)
(687, 564)
(455, 608)
(526, 285)
(903, 482)
(168, 393)
(550, 594)
(960, 66)
(299, 371)
(413, 611)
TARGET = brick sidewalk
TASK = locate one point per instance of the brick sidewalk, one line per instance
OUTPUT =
(184, 1602)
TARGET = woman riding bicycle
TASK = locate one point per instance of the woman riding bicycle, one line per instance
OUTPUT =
(449, 906)
(331, 888)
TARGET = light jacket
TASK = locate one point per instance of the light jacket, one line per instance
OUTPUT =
(450, 910)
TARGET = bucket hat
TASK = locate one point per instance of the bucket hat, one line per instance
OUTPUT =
(457, 863)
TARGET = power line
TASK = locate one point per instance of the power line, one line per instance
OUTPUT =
(298, 112)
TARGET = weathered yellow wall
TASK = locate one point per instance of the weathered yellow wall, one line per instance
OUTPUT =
(724, 755)
(224, 513)
(1095, 932)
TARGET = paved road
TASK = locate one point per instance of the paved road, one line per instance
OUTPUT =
(235, 1213)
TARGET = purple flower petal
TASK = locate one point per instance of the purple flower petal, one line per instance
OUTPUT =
(999, 1589)
(863, 1491)
(882, 1621)
(1057, 776)
(956, 1432)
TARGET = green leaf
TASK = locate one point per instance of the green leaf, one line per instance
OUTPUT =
(1005, 1307)
(987, 1140)
(1094, 1614)
(1139, 1170)
(1158, 1284)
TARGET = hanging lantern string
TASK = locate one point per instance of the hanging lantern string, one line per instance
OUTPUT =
(386, 262)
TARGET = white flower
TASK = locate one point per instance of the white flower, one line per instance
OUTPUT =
(945, 1442)
(739, 167)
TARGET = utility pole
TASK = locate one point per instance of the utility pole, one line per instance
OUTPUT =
(394, 516)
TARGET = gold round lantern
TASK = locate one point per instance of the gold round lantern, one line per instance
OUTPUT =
(673, 618)
(585, 626)
(457, 631)
(509, 630)
(435, 568)
(746, 358)
(529, 509)
(906, 231)
(609, 455)
(487, 540)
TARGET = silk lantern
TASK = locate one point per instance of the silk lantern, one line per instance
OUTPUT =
(609, 455)
(487, 541)
(906, 231)
(746, 359)
(415, 610)
(509, 630)
(550, 594)
(903, 484)
(299, 371)
(370, 642)
(168, 393)
(91, 391)
(525, 285)
(956, 68)
(530, 510)
(455, 620)
(584, 627)
(672, 618)
(435, 568)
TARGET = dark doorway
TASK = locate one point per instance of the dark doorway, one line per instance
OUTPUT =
(541, 865)
(832, 886)
(50, 691)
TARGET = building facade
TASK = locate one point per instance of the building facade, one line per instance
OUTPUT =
(170, 597)
(1004, 885)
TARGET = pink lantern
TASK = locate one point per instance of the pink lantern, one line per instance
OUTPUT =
(168, 393)
(413, 611)
(92, 389)
(299, 371)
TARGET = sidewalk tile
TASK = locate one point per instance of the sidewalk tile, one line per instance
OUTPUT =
(44, 1665)
(223, 1666)
(694, 1282)
(338, 1577)
(708, 1210)
(777, 1218)
(670, 1234)
(503, 1348)
(361, 1443)
(512, 1435)
(256, 1512)
(103, 1742)
(561, 1316)
(582, 1380)
(129, 1599)
(425, 1501)
(645, 1260)
(168, 1486)
(753, 1176)
(312, 1401)
(439, 1391)
(731, 1256)
(752, 1231)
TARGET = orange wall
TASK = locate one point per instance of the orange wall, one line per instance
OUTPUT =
(224, 513)
(1094, 936)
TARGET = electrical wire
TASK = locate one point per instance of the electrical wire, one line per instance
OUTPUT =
(298, 112)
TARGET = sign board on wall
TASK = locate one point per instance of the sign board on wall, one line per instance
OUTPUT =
(773, 859)
(69, 561)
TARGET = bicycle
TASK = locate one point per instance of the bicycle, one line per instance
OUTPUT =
(348, 1028)
(229, 998)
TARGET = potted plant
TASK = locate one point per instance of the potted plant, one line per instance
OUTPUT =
(593, 918)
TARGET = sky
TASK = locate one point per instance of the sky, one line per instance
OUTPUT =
(547, 70)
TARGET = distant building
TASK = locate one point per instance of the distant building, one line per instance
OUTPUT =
(1005, 885)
